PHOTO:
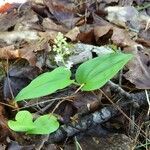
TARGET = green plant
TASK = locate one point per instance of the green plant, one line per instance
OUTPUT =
(62, 50)
(45, 124)
(46, 83)
(94, 73)
(90, 75)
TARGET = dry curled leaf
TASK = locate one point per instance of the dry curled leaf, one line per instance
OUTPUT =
(139, 69)
(9, 52)
(17, 78)
(103, 34)
(72, 34)
(121, 38)
(62, 11)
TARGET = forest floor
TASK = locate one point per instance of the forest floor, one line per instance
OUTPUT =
(39, 36)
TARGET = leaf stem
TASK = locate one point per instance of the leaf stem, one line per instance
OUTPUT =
(79, 88)
(76, 83)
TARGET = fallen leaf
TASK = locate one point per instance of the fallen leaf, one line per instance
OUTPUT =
(103, 34)
(8, 20)
(62, 11)
(72, 34)
(88, 98)
(86, 37)
(28, 52)
(50, 25)
(121, 38)
(139, 68)
(9, 52)
(143, 42)
(3, 125)
(144, 37)
(17, 78)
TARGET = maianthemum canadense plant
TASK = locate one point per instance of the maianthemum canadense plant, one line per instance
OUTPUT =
(90, 75)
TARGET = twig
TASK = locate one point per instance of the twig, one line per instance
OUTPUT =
(148, 101)
(97, 117)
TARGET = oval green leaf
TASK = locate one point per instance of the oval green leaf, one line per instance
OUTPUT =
(45, 124)
(23, 122)
(46, 83)
(94, 73)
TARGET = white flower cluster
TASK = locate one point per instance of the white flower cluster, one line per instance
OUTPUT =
(61, 47)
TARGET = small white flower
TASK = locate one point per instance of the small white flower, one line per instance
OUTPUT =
(69, 64)
(58, 58)
(67, 51)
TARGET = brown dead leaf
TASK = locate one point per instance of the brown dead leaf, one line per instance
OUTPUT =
(25, 18)
(86, 37)
(139, 68)
(9, 52)
(17, 78)
(27, 21)
(90, 102)
(144, 37)
(29, 55)
(49, 25)
(72, 34)
(28, 52)
(144, 42)
(103, 34)
(8, 20)
(121, 38)
(62, 11)
(4, 130)
(144, 34)
(98, 20)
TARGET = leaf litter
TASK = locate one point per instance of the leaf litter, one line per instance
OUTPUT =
(27, 34)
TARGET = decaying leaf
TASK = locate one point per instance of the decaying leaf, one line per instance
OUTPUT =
(103, 34)
(49, 25)
(17, 78)
(72, 34)
(123, 16)
(144, 37)
(121, 38)
(9, 52)
(62, 11)
(8, 20)
(28, 52)
(139, 68)
(86, 37)
(3, 125)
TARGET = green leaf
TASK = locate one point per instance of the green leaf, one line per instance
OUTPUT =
(94, 73)
(45, 124)
(23, 122)
(46, 83)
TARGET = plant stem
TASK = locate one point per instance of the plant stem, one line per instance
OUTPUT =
(79, 88)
